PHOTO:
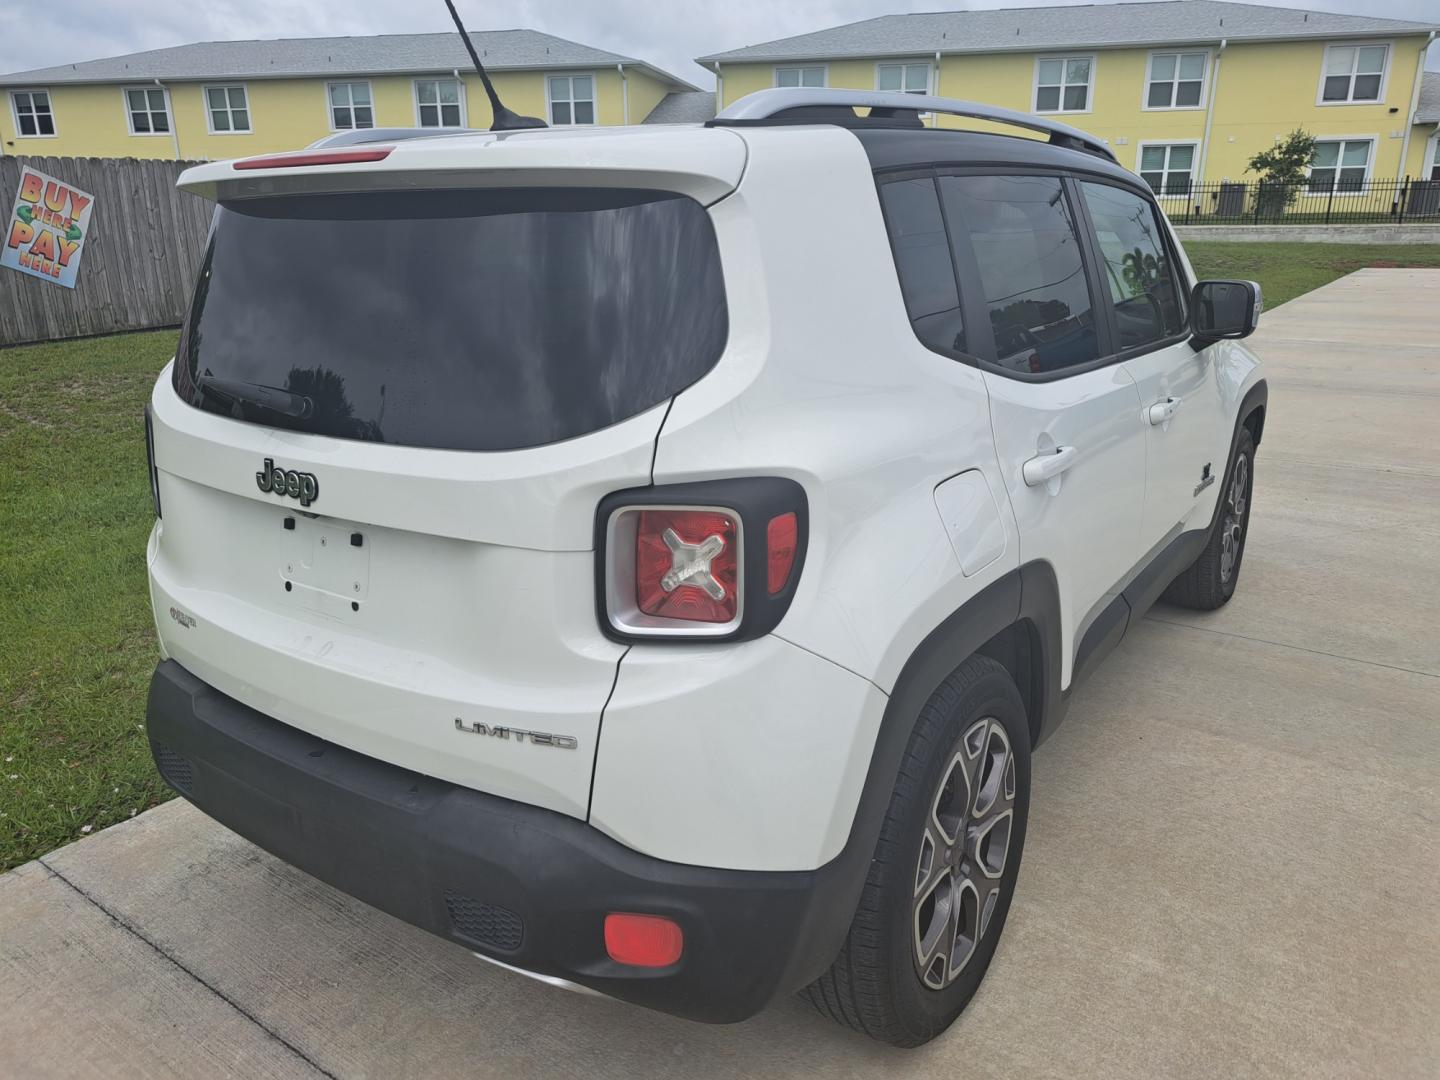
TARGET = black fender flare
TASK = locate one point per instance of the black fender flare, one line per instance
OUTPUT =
(1027, 596)
(1257, 397)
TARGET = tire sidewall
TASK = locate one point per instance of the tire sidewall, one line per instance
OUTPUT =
(1244, 448)
(931, 1011)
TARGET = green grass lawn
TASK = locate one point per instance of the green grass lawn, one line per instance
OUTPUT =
(77, 644)
(1284, 271)
(76, 641)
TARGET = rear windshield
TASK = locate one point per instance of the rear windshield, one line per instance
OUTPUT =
(463, 320)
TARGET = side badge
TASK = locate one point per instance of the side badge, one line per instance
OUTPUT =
(537, 738)
(1206, 479)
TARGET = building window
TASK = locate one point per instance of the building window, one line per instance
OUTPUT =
(572, 99)
(800, 76)
(148, 111)
(1353, 73)
(1168, 168)
(33, 115)
(350, 105)
(228, 108)
(1435, 158)
(1177, 80)
(906, 78)
(1340, 165)
(437, 103)
(1062, 83)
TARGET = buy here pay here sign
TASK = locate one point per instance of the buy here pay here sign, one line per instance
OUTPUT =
(46, 231)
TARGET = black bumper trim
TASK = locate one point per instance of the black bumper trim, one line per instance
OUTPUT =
(410, 844)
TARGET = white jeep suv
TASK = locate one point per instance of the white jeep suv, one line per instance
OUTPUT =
(648, 557)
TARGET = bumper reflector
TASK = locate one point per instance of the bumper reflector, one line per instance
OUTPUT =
(643, 940)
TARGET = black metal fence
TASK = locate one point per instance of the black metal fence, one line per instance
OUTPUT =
(1318, 201)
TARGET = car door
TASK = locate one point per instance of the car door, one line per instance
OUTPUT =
(1065, 421)
(1144, 297)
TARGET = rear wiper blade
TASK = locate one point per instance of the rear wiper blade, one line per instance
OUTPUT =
(265, 397)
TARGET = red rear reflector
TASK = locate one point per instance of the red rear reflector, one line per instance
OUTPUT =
(643, 940)
(781, 537)
(319, 157)
(687, 565)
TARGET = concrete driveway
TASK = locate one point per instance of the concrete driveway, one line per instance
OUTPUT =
(1233, 863)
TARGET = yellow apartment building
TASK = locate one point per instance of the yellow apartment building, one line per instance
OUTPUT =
(225, 99)
(1183, 91)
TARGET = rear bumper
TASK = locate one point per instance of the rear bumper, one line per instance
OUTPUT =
(516, 883)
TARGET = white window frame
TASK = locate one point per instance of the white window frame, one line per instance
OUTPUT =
(824, 72)
(1145, 105)
(594, 97)
(437, 79)
(1373, 139)
(1388, 46)
(130, 120)
(330, 109)
(1089, 86)
(15, 111)
(1432, 158)
(1194, 144)
(902, 65)
(229, 109)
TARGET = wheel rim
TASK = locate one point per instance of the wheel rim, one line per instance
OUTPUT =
(1232, 536)
(963, 854)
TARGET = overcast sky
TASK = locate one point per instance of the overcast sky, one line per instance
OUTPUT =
(667, 33)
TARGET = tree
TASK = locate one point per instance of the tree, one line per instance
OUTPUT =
(1282, 169)
(1141, 271)
(1287, 160)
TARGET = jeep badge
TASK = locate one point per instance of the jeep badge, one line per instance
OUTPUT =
(297, 485)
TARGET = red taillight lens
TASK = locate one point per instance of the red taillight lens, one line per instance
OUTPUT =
(643, 940)
(687, 565)
(318, 157)
(782, 536)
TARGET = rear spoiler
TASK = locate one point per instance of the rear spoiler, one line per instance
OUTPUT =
(705, 165)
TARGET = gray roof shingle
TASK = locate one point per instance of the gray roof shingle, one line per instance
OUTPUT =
(500, 50)
(1089, 25)
(1428, 111)
(683, 107)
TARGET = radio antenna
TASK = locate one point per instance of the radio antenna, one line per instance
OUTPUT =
(504, 119)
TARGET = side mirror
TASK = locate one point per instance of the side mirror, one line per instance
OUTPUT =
(1224, 309)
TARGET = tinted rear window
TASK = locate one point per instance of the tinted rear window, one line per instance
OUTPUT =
(1027, 248)
(465, 320)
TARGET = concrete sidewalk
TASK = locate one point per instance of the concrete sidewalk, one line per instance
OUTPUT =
(1233, 862)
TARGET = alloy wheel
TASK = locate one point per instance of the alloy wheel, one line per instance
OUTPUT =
(1233, 524)
(963, 853)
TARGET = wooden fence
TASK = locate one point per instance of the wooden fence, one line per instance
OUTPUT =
(139, 258)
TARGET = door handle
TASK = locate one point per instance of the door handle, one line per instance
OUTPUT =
(1045, 467)
(1162, 411)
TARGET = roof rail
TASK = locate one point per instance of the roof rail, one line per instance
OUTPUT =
(359, 136)
(818, 105)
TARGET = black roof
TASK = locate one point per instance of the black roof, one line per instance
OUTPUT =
(892, 148)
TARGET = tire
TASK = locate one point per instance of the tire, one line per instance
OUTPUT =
(974, 725)
(1210, 580)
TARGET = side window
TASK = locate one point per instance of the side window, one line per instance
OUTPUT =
(922, 261)
(1027, 251)
(1136, 264)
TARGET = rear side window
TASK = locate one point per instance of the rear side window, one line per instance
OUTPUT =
(1136, 266)
(460, 320)
(922, 261)
(1027, 251)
